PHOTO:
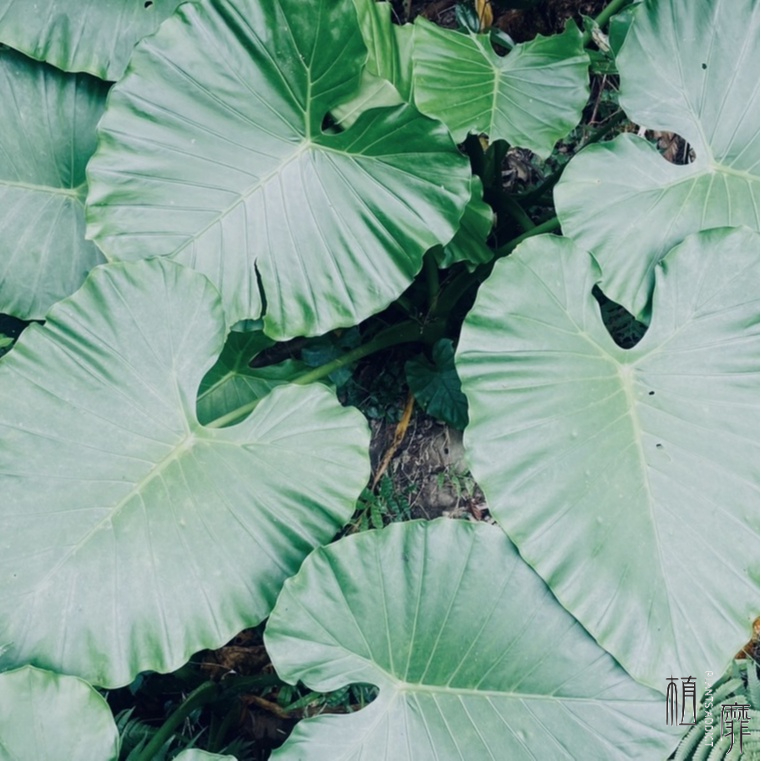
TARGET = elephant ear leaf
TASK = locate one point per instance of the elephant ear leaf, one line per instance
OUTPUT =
(43, 715)
(133, 535)
(462, 638)
(690, 67)
(531, 97)
(46, 140)
(105, 31)
(616, 471)
(212, 152)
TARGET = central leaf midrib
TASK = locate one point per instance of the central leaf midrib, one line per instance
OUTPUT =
(433, 689)
(247, 193)
(77, 193)
(182, 447)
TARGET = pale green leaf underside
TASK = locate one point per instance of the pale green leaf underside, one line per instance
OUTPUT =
(532, 97)
(193, 754)
(96, 36)
(690, 67)
(628, 479)
(462, 638)
(211, 152)
(48, 135)
(46, 716)
(133, 535)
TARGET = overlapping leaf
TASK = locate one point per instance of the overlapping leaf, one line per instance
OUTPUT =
(96, 36)
(211, 151)
(47, 137)
(469, 245)
(464, 641)
(627, 478)
(48, 716)
(132, 535)
(691, 67)
(232, 384)
(532, 97)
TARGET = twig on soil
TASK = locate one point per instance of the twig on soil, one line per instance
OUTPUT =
(401, 430)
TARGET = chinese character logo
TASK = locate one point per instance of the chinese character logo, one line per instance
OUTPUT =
(689, 702)
(731, 713)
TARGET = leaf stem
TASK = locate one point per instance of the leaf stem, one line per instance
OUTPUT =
(202, 695)
(613, 7)
(515, 210)
(431, 279)
(404, 332)
(457, 288)
(548, 226)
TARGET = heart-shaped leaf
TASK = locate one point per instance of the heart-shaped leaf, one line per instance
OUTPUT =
(436, 386)
(96, 36)
(464, 641)
(132, 535)
(47, 137)
(212, 152)
(627, 478)
(532, 97)
(45, 716)
(691, 67)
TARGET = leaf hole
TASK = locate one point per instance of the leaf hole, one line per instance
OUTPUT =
(624, 329)
(704, 66)
(674, 148)
(659, 446)
(147, 3)
(651, 393)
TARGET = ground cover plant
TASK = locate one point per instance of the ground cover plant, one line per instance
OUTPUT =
(231, 227)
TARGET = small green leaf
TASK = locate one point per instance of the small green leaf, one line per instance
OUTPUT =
(45, 716)
(48, 135)
(231, 383)
(531, 97)
(462, 638)
(436, 385)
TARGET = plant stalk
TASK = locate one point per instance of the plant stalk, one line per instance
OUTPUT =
(613, 7)
(202, 695)
(405, 332)
(460, 284)
(431, 279)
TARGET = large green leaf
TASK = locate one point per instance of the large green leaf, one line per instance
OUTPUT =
(96, 36)
(45, 716)
(532, 97)
(691, 67)
(132, 535)
(211, 151)
(47, 137)
(474, 658)
(627, 478)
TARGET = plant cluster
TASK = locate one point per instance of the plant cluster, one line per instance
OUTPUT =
(188, 186)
